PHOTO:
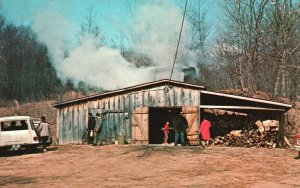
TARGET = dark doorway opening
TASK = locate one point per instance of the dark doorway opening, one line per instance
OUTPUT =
(158, 116)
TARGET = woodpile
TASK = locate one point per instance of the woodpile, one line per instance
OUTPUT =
(241, 130)
(248, 138)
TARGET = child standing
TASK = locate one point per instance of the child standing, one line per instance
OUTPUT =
(166, 132)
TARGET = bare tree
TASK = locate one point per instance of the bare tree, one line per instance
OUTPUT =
(129, 39)
(91, 25)
(131, 36)
(200, 29)
(241, 43)
(285, 26)
(197, 16)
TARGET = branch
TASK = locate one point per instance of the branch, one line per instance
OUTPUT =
(293, 50)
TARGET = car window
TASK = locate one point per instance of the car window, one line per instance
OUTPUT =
(14, 125)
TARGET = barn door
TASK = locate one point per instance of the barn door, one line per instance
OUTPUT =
(140, 122)
(191, 114)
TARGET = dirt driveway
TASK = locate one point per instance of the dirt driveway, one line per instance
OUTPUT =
(151, 166)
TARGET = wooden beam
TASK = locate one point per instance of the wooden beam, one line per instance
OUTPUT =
(239, 108)
(280, 135)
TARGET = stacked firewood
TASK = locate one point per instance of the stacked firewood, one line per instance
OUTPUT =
(241, 130)
(247, 138)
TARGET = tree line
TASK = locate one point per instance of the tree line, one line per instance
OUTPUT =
(26, 73)
(256, 49)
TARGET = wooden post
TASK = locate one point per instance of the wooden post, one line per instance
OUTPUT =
(280, 135)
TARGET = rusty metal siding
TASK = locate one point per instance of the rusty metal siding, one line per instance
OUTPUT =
(117, 110)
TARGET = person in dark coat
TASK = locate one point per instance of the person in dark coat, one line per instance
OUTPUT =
(180, 124)
(91, 127)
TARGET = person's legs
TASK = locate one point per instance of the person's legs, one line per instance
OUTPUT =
(166, 138)
(202, 141)
(100, 141)
(182, 138)
(176, 137)
(96, 138)
(44, 140)
(90, 138)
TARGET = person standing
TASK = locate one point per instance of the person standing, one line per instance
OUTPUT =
(97, 131)
(44, 132)
(180, 124)
(205, 130)
(91, 127)
(166, 132)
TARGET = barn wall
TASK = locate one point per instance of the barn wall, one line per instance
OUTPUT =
(116, 111)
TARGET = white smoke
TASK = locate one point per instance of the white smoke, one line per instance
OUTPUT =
(156, 29)
(103, 67)
(56, 32)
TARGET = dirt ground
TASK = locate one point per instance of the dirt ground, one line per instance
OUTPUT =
(150, 166)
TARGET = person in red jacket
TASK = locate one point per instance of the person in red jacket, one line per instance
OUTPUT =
(205, 130)
(166, 132)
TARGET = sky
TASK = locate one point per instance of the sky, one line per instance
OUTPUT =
(110, 12)
(156, 28)
(113, 14)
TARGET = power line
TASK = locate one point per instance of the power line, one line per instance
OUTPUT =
(179, 39)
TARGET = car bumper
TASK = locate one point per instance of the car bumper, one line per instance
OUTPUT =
(18, 146)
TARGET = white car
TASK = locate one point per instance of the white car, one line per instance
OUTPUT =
(17, 132)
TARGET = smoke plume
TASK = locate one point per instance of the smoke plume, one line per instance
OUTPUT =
(157, 28)
(156, 32)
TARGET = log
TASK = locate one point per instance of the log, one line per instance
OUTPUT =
(260, 126)
(287, 142)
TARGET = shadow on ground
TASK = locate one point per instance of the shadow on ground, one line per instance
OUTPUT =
(12, 153)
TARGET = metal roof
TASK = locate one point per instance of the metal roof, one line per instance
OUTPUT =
(208, 99)
(136, 87)
(226, 101)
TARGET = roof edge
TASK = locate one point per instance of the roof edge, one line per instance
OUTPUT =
(163, 81)
(248, 98)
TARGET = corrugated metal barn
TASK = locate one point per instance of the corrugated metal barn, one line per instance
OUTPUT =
(139, 112)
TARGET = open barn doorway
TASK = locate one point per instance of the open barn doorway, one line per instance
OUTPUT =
(158, 116)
